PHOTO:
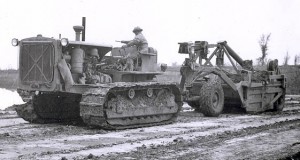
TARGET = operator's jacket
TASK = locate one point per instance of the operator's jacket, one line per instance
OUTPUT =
(141, 43)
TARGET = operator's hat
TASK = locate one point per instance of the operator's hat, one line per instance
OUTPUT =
(94, 52)
(137, 29)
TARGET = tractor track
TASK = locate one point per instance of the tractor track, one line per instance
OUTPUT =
(191, 137)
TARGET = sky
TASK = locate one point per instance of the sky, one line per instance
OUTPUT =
(165, 23)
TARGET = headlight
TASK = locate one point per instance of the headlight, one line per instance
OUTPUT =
(14, 42)
(64, 42)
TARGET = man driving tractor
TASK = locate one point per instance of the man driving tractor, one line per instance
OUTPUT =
(142, 48)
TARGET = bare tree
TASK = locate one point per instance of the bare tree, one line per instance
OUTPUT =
(174, 64)
(263, 43)
(286, 59)
(296, 59)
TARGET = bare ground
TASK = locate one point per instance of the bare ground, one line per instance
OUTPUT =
(230, 136)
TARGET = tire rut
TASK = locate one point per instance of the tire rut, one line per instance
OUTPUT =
(185, 149)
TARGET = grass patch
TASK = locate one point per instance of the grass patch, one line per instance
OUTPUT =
(169, 77)
(9, 79)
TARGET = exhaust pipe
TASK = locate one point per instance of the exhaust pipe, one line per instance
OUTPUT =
(77, 30)
(84, 27)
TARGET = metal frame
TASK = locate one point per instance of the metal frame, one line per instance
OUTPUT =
(269, 91)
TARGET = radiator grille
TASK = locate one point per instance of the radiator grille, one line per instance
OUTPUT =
(36, 62)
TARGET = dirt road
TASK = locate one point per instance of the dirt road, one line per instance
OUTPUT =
(230, 136)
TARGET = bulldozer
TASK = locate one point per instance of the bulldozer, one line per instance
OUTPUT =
(210, 89)
(51, 82)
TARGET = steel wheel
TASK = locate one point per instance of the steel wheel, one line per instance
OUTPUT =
(149, 92)
(131, 93)
(215, 100)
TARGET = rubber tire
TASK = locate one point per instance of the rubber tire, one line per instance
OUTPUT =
(279, 104)
(211, 98)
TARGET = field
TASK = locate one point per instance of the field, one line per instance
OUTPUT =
(230, 136)
(267, 135)
(8, 79)
(292, 74)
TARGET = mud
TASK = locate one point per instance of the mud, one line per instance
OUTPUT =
(230, 136)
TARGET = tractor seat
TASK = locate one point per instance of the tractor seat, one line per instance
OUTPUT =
(151, 52)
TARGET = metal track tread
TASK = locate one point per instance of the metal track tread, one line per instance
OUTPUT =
(95, 112)
(37, 110)
(107, 126)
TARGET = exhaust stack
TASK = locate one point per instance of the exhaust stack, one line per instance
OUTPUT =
(78, 30)
(84, 27)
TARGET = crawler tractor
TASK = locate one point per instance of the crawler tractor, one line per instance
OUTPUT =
(208, 88)
(51, 82)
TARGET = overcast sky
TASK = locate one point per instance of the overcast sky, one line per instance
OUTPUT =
(165, 23)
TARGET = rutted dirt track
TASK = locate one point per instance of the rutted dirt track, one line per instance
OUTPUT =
(230, 136)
